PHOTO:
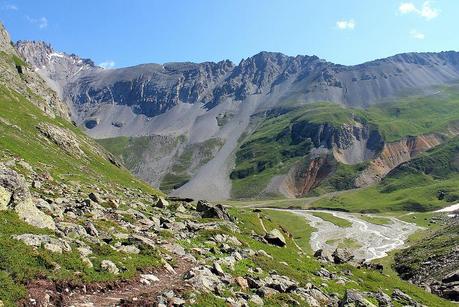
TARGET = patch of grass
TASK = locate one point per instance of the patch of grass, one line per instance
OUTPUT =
(377, 220)
(296, 225)
(340, 222)
(344, 243)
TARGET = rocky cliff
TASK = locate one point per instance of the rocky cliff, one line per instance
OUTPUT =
(21, 77)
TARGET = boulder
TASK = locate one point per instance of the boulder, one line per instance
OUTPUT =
(275, 237)
(342, 255)
(212, 211)
(129, 249)
(148, 279)
(48, 242)
(202, 278)
(354, 298)
(15, 195)
(162, 203)
(110, 267)
(452, 277)
(5, 197)
(324, 255)
(95, 197)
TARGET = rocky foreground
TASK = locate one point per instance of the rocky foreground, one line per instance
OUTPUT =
(191, 251)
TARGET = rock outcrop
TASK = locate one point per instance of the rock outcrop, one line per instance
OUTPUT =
(21, 77)
(15, 195)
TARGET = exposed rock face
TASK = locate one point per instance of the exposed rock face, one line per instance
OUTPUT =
(55, 67)
(350, 143)
(62, 138)
(152, 89)
(394, 154)
(23, 79)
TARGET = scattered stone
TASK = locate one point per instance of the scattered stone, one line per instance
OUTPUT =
(212, 211)
(5, 197)
(95, 197)
(148, 279)
(36, 184)
(355, 298)
(275, 237)
(452, 277)
(383, 299)
(162, 203)
(180, 208)
(129, 249)
(202, 278)
(110, 267)
(242, 282)
(342, 255)
(168, 267)
(91, 229)
(49, 243)
(263, 253)
(25, 165)
(403, 298)
(218, 269)
(324, 255)
(280, 283)
(266, 292)
(256, 300)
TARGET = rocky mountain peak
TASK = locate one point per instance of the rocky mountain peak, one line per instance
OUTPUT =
(40, 53)
(5, 40)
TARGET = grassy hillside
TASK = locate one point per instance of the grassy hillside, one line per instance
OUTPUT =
(271, 149)
(19, 137)
(428, 182)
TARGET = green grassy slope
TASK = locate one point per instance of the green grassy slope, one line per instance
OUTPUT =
(426, 183)
(20, 137)
(271, 149)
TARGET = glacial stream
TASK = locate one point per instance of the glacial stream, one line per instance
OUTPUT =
(366, 240)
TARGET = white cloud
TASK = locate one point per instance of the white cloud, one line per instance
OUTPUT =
(429, 12)
(345, 24)
(41, 22)
(10, 7)
(107, 64)
(416, 34)
(407, 7)
(426, 11)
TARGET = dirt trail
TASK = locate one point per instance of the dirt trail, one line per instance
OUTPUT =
(133, 290)
(119, 293)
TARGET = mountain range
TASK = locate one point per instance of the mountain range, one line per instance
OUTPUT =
(191, 128)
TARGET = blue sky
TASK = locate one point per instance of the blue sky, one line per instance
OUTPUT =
(123, 33)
